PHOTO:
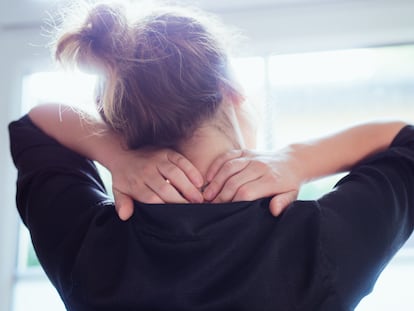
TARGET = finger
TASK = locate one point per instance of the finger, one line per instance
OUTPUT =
(179, 186)
(264, 185)
(220, 161)
(124, 205)
(165, 191)
(227, 170)
(192, 173)
(237, 187)
(281, 201)
(148, 196)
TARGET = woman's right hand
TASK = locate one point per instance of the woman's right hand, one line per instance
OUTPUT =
(242, 175)
(149, 176)
(153, 176)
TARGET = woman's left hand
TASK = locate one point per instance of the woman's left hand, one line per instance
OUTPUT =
(242, 175)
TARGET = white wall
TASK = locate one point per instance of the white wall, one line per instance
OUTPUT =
(273, 27)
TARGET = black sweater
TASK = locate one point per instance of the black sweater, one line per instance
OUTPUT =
(318, 255)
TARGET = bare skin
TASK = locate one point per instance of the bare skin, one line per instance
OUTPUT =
(212, 157)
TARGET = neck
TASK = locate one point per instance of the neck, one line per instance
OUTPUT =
(207, 144)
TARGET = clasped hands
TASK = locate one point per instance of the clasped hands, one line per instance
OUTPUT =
(165, 176)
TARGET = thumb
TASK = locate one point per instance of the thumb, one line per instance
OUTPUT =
(124, 205)
(279, 202)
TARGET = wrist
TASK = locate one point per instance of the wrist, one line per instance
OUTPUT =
(298, 156)
(108, 150)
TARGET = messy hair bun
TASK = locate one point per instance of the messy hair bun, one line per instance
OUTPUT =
(163, 74)
(99, 41)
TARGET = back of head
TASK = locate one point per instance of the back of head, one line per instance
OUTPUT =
(164, 73)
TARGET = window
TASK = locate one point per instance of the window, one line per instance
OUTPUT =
(297, 97)
(319, 92)
(32, 290)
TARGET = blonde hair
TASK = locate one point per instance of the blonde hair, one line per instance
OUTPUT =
(163, 73)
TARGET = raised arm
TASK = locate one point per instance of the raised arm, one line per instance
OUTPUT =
(245, 175)
(140, 174)
(343, 150)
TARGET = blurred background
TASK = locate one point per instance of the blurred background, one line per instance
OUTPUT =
(309, 67)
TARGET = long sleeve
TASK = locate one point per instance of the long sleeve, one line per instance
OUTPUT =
(58, 194)
(367, 218)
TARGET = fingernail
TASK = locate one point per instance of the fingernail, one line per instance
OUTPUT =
(208, 195)
(278, 210)
(198, 199)
(200, 182)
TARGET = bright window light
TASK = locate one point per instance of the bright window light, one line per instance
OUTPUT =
(312, 94)
(393, 290)
(36, 294)
(323, 67)
(251, 74)
(72, 88)
(247, 68)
